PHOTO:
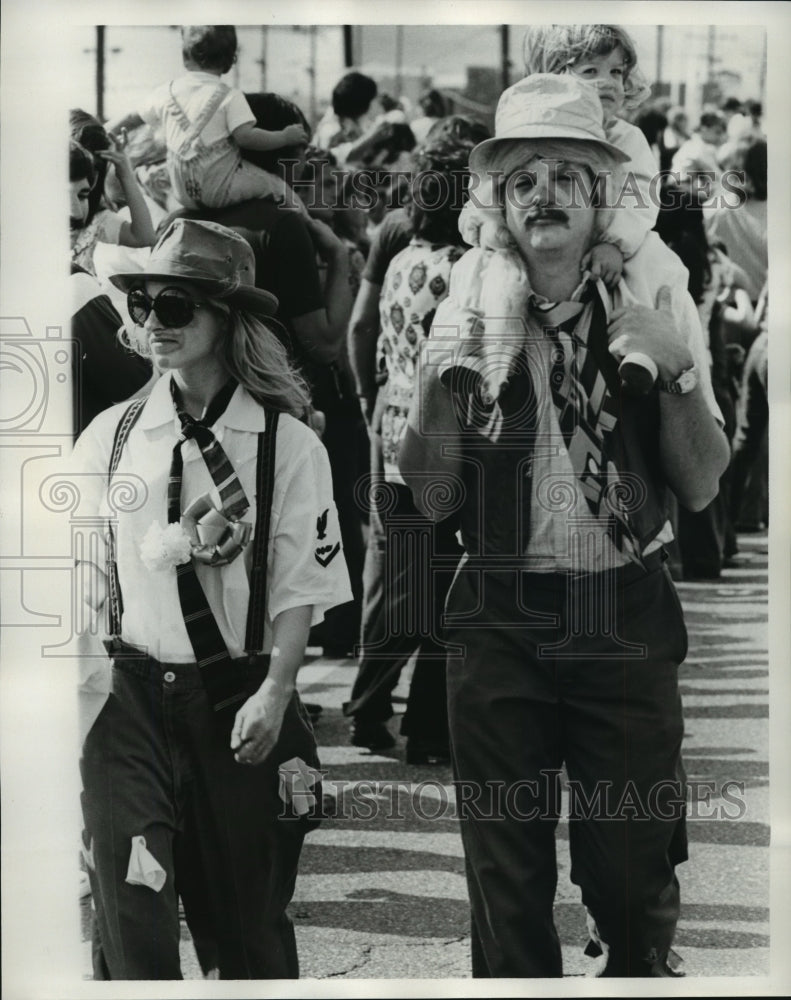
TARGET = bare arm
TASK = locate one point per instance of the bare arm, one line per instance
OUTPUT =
(361, 341)
(92, 583)
(140, 231)
(322, 331)
(258, 721)
(248, 136)
(693, 447)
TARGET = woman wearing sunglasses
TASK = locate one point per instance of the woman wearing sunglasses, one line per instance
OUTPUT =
(199, 776)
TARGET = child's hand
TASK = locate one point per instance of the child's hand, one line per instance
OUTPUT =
(470, 223)
(294, 135)
(604, 261)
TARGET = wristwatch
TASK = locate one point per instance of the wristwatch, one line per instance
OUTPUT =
(681, 384)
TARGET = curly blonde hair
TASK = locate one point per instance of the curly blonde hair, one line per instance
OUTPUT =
(552, 48)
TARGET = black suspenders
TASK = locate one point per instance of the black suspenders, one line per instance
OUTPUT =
(265, 484)
(115, 604)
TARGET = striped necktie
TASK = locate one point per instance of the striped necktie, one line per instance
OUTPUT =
(587, 413)
(204, 634)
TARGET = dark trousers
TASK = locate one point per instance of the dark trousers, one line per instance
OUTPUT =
(408, 568)
(583, 673)
(157, 763)
(706, 538)
(749, 465)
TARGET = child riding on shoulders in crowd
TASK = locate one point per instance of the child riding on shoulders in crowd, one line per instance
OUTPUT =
(605, 56)
(207, 124)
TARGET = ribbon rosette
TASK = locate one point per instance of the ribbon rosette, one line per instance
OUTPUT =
(216, 539)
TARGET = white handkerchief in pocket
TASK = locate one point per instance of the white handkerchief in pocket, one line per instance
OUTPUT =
(144, 869)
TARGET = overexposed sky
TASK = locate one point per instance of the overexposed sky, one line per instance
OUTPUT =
(139, 57)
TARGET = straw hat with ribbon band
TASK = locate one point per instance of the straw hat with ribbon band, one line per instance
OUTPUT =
(211, 257)
(544, 107)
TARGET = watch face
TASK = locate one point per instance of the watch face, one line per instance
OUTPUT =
(685, 382)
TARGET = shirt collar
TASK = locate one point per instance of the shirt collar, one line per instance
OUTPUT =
(585, 290)
(241, 414)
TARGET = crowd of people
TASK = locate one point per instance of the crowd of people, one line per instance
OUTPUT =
(397, 392)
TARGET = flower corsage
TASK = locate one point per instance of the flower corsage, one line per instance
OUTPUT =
(204, 534)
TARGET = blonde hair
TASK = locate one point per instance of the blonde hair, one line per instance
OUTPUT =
(253, 355)
(553, 48)
(258, 361)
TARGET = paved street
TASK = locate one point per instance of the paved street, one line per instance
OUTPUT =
(381, 891)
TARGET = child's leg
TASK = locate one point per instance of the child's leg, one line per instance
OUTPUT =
(249, 181)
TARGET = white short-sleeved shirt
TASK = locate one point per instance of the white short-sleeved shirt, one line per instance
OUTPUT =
(192, 91)
(306, 565)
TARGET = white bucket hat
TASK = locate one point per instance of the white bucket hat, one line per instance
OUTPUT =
(548, 106)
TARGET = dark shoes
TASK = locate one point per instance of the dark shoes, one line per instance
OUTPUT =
(372, 735)
(376, 736)
(313, 710)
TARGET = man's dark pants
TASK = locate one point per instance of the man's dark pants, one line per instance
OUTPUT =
(549, 678)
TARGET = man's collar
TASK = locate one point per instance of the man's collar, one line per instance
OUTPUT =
(241, 414)
(587, 288)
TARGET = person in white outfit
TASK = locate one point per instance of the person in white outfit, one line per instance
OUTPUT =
(207, 124)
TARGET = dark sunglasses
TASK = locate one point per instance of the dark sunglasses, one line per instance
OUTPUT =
(173, 307)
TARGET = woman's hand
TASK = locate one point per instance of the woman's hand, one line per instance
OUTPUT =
(257, 725)
(258, 721)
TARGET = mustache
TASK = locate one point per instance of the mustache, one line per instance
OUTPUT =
(544, 213)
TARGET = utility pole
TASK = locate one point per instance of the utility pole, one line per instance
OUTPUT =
(711, 51)
(100, 72)
(312, 74)
(262, 60)
(348, 46)
(660, 41)
(399, 58)
(505, 61)
(762, 77)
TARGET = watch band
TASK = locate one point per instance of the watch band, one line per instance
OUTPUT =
(683, 383)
